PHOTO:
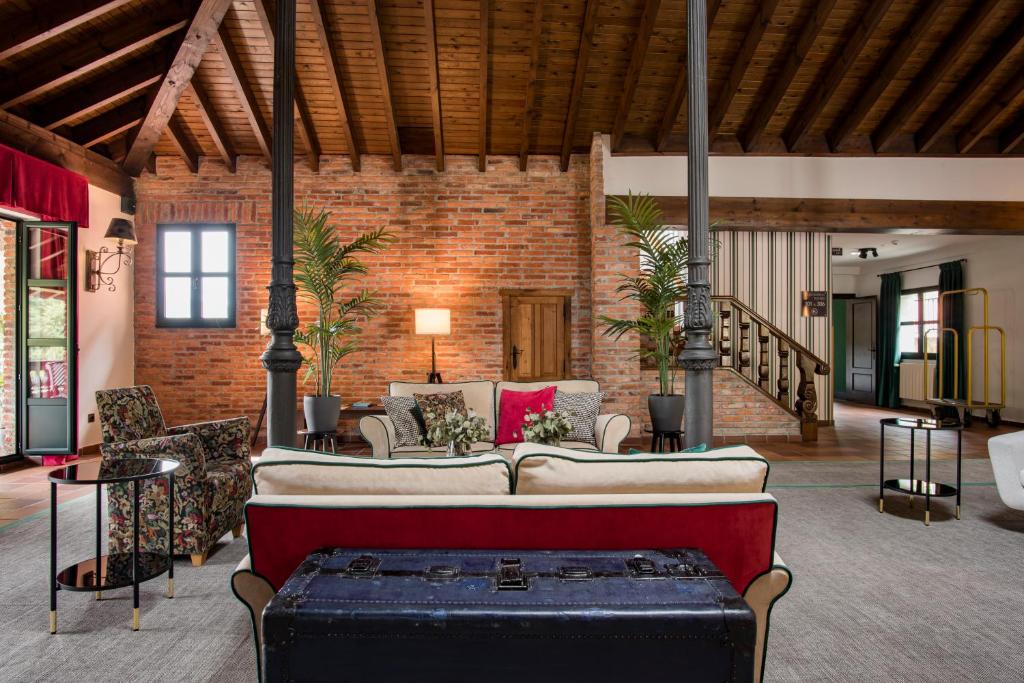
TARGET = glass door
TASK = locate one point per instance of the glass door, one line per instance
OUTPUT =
(47, 339)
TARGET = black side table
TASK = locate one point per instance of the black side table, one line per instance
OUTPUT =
(659, 439)
(311, 438)
(115, 570)
(920, 487)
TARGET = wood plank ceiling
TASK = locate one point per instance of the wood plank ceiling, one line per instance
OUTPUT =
(515, 77)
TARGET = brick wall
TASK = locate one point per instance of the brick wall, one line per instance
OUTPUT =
(462, 236)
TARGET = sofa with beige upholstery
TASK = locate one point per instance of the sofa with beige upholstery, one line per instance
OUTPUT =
(543, 498)
(484, 397)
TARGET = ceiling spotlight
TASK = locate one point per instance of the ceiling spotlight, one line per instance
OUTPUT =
(864, 252)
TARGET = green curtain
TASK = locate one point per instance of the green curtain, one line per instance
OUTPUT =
(888, 394)
(951, 277)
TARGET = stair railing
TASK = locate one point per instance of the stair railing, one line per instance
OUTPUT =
(738, 328)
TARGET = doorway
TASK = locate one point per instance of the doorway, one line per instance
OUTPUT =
(860, 372)
(535, 333)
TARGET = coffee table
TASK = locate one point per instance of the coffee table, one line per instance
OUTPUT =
(920, 487)
(115, 570)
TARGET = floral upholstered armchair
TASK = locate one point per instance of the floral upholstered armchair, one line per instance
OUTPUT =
(210, 488)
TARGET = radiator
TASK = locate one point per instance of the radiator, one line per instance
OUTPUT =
(912, 380)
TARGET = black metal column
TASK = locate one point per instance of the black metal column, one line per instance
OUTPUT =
(282, 359)
(699, 358)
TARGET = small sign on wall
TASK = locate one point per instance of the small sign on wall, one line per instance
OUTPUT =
(814, 304)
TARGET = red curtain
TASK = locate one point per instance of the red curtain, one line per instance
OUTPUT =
(43, 189)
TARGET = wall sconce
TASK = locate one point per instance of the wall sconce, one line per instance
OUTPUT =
(121, 231)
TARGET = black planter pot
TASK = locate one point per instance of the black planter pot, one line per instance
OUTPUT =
(666, 412)
(321, 412)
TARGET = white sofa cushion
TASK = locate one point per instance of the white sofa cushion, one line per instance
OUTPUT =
(548, 470)
(478, 395)
(284, 471)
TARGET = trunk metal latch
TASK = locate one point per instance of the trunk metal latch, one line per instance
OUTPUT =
(511, 577)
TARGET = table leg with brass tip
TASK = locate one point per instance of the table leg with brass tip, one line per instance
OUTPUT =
(135, 619)
(881, 504)
(170, 588)
(927, 518)
(958, 512)
(99, 595)
(53, 621)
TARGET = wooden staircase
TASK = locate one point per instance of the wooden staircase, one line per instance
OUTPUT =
(746, 343)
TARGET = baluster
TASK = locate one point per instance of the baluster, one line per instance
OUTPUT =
(807, 397)
(744, 322)
(783, 381)
(762, 362)
(724, 341)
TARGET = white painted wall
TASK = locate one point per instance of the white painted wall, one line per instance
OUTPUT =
(995, 265)
(106, 321)
(845, 279)
(823, 177)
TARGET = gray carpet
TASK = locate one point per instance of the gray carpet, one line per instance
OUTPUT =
(875, 597)
(203, 634)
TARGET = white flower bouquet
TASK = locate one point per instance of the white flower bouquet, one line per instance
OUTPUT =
(459, 432)
(548, 427)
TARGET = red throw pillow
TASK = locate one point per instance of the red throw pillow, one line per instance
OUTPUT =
(514, 406)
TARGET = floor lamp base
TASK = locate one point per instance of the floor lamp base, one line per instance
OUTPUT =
(434, 378)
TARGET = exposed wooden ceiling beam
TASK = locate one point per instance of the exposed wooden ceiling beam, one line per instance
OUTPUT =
(1013, 136)
(762, 18)
(435, 82)
(986, 117)
(53, 20)
(303, 121)
(678, 93)
(233, 70)
(933, 72)
(806, 36)
(579, 76)
(759, 214)
(120, 84)
(40, 88)
(110, 124)
(940, 121)
(894, 59)
(176, 130)
(201, 31)
(385, 84)
(321, 21)
(821, 93)
(636, 63)
(35, 140)
(531, 81)
(213, 125)
(485, 42)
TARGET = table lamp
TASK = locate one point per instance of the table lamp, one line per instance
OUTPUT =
(433, 321)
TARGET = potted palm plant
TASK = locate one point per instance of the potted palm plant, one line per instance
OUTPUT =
(660, 285)
(324, 265)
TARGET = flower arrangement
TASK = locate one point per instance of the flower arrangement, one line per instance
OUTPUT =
(459, 432)
(548, 427)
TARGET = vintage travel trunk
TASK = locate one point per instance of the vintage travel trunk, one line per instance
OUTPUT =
(516, 616)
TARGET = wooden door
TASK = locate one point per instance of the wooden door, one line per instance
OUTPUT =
(860, 350)
(536, 334)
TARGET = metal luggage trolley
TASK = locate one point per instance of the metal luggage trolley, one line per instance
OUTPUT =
(964, 407)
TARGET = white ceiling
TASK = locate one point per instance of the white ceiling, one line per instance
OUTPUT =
(895, 246)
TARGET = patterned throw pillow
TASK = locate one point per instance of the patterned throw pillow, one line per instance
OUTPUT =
(582, 410)
(404, 414)
(440, 405)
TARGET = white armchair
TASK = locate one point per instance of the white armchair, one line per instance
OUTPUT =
(1007, 455)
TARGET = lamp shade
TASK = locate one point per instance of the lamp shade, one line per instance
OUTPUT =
(436, 321)
(121, 229)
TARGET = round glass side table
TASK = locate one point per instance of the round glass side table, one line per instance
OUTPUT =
(913, 486)
(115, 570)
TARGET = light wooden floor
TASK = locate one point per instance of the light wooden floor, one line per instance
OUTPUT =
(24, 489)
